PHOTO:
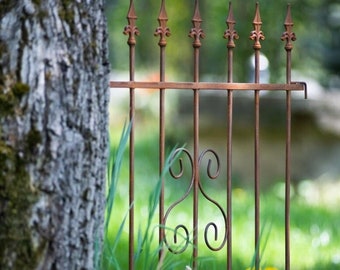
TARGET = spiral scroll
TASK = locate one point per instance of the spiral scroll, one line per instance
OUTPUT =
(212, 224)
(212, 173)
(177, 176)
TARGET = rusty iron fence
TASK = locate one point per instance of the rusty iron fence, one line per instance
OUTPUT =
(195, 158)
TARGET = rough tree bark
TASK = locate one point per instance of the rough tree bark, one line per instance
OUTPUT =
(53, 132)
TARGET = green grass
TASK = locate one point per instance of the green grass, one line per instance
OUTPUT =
(314, 228)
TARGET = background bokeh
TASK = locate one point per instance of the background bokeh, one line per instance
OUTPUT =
(315, 121)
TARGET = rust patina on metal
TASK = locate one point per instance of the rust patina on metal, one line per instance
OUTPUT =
(195, 158)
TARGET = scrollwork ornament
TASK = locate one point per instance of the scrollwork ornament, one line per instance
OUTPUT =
(212, 173)
(176, 235)
(177, 175)
(206, 239)
(209, 170)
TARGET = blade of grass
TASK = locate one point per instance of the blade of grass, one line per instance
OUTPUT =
(258, 244)
(113, 171)
(144, 242)
(115, 163)
(266, 239)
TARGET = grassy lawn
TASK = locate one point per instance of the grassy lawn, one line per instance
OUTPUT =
(314, 234)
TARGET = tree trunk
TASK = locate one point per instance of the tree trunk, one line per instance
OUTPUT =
(53, 133)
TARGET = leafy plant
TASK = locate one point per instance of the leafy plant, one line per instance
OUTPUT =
(309, 223)
(115, 162)
(146, 254)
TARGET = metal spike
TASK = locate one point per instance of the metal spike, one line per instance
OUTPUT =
(257, 19)
(257, 34)
(131, 29)
(162, 31)
(288, 35)
(230, 33)
(196, 32)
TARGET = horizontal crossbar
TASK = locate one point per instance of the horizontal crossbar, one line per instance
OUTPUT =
(294, 86)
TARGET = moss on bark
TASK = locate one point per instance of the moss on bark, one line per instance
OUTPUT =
(16, 199)
(17, 194)
(10, 98)
(66, 13)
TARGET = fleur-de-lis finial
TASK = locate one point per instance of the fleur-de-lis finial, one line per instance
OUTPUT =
(230, 33)
(257, 34)
(196, 32)
(162, 31)
(131, 29)
(288, 35)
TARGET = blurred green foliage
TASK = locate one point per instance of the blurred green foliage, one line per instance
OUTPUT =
(313, 223)
(315, 24)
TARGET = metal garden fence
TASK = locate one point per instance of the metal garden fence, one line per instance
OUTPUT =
(195, 157)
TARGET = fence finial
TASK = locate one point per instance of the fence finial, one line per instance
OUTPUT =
(288, 35)
(162, 31)
(230, 33)
(196, 32)
(131, 29)
(257, 34)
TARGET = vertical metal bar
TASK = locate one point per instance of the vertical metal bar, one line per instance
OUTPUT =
(289, 36)
(287, 177)
(257, 35)
(131, 30)
(230, 34)
(196, 176)
(162, 31)
(196, 33)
